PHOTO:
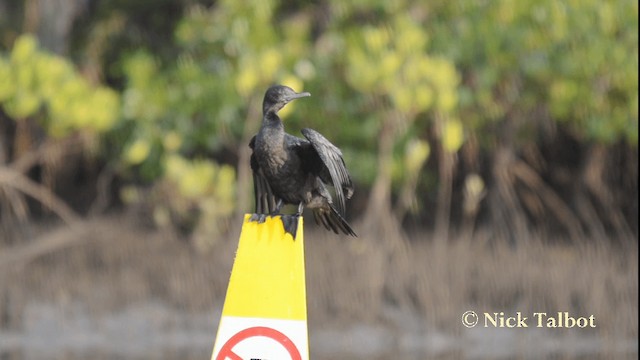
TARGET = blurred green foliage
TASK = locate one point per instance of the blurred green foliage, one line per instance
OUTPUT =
(575, 60)
(34, 83)
(475, 66)
(181, 113)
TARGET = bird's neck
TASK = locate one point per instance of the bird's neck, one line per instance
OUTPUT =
(272, 129)
(272, 120)
(270, 140)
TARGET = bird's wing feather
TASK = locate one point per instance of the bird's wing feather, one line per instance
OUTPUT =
(265, 199)
(332, 160)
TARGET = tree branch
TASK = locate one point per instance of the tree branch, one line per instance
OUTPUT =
(14, 179)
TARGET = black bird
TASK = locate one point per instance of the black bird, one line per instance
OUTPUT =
(292, 170)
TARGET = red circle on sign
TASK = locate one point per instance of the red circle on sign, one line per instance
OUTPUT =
(226, 352)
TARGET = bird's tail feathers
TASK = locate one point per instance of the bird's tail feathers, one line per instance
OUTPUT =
(332, 220)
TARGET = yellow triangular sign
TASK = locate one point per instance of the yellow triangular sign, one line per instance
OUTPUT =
(265, 310)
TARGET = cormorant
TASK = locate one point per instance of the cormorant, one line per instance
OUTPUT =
(292, 170)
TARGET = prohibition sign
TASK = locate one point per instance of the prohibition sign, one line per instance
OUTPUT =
(226, 352)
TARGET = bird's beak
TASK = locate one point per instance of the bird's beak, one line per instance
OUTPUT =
(298, 95)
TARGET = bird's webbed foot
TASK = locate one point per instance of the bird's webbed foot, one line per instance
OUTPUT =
(290, 224)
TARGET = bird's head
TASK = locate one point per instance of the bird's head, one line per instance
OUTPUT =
(278, 96)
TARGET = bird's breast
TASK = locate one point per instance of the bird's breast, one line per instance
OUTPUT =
(280, 164)
(272, 157)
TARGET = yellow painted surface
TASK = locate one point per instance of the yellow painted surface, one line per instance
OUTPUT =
(268, 275)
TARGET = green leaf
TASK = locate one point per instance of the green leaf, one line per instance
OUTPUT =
(452, 135)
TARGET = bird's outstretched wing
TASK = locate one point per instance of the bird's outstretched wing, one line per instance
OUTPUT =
(265, 199)
(332, 166)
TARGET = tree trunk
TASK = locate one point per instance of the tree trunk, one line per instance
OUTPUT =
(446, 167)
(379, 207)
(52, 20)
(508, 219)
(595, 167)
(385, 239)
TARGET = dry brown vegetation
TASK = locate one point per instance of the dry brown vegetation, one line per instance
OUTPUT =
(111, 263)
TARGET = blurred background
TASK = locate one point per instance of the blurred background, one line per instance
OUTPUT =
(494, 146)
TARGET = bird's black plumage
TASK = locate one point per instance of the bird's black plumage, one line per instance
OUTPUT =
(292, 170)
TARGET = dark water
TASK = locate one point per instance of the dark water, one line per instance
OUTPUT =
(155, 331)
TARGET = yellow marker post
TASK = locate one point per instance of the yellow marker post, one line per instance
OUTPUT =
(265, 310)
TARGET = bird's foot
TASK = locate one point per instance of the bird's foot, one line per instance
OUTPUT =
(259, 218)
(276, 211)
(290, 224)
